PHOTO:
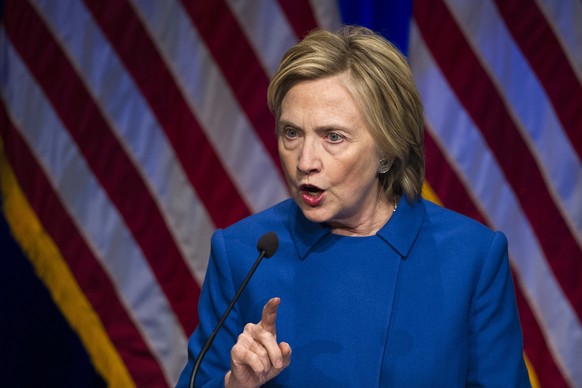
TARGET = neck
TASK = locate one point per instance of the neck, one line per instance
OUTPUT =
(366, 226)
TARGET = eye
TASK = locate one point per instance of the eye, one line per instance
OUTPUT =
(290, 133)
(334, 137)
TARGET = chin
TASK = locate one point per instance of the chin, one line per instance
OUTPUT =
(314, 214)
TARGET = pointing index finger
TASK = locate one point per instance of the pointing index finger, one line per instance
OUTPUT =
(269, 318)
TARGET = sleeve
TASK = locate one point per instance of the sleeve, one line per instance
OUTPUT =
(217, 291)
(496, 347)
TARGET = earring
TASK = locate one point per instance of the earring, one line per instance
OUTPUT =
(384, 166)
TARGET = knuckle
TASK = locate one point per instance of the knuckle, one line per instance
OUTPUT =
(264, 335)
(261, 352)
(237, 349)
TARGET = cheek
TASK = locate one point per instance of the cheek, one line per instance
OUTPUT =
(353, 169)
(354, 177)
(285, 157)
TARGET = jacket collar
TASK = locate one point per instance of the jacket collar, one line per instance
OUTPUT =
(305, 233)
(400, 232)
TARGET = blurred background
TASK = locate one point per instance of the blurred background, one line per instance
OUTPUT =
(131, 129)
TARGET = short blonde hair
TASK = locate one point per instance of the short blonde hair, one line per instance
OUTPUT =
(381, 82)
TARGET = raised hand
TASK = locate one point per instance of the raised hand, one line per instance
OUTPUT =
(257, 357)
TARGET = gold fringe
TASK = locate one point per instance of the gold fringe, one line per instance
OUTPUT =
(533, 377)
(429, 194)
(51, 268)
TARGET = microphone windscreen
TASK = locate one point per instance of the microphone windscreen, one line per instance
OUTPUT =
(269, 243)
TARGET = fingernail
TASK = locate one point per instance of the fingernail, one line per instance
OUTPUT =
(279, 364)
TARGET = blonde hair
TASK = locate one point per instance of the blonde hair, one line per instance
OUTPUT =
(381, 82)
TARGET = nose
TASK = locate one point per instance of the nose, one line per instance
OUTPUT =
(308, 159)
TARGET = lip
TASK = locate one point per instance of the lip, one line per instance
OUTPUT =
(311, 195)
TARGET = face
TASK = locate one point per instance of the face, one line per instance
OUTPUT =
(330, 158)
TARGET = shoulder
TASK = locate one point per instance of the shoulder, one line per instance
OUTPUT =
(272, 218)
(448, 226)
(443, 216)
(244, 234)
(467, 246)
(459, 243)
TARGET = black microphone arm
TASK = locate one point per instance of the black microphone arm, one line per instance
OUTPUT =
(267, 246)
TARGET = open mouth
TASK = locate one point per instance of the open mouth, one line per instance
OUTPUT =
(311, 195)
(310, 190)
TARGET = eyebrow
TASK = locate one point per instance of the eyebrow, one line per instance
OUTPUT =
(285, 122)
(324, 128)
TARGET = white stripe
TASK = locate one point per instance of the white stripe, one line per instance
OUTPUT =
(267, 29)
(243, 154)
(468, 153)
(133, 123)
(565, 18)
(95, 217)
(534, 117)
(326, 13)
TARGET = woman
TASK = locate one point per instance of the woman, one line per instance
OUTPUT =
(371, 285)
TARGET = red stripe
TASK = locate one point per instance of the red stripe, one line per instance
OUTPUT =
(471, 84)
(542, 49)
(239, 65)
(105, 156)
(139, 54)
(445, 181)
(454, 195)
(300, 16)
(89, 274)
(535, 345)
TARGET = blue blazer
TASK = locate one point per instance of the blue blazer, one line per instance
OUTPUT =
(426, 302)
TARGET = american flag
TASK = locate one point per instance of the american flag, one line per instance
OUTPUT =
(132, 129)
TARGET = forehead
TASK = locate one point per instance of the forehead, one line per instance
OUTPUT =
(329, 96)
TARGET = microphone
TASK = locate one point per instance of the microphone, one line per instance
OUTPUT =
(267, 246)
